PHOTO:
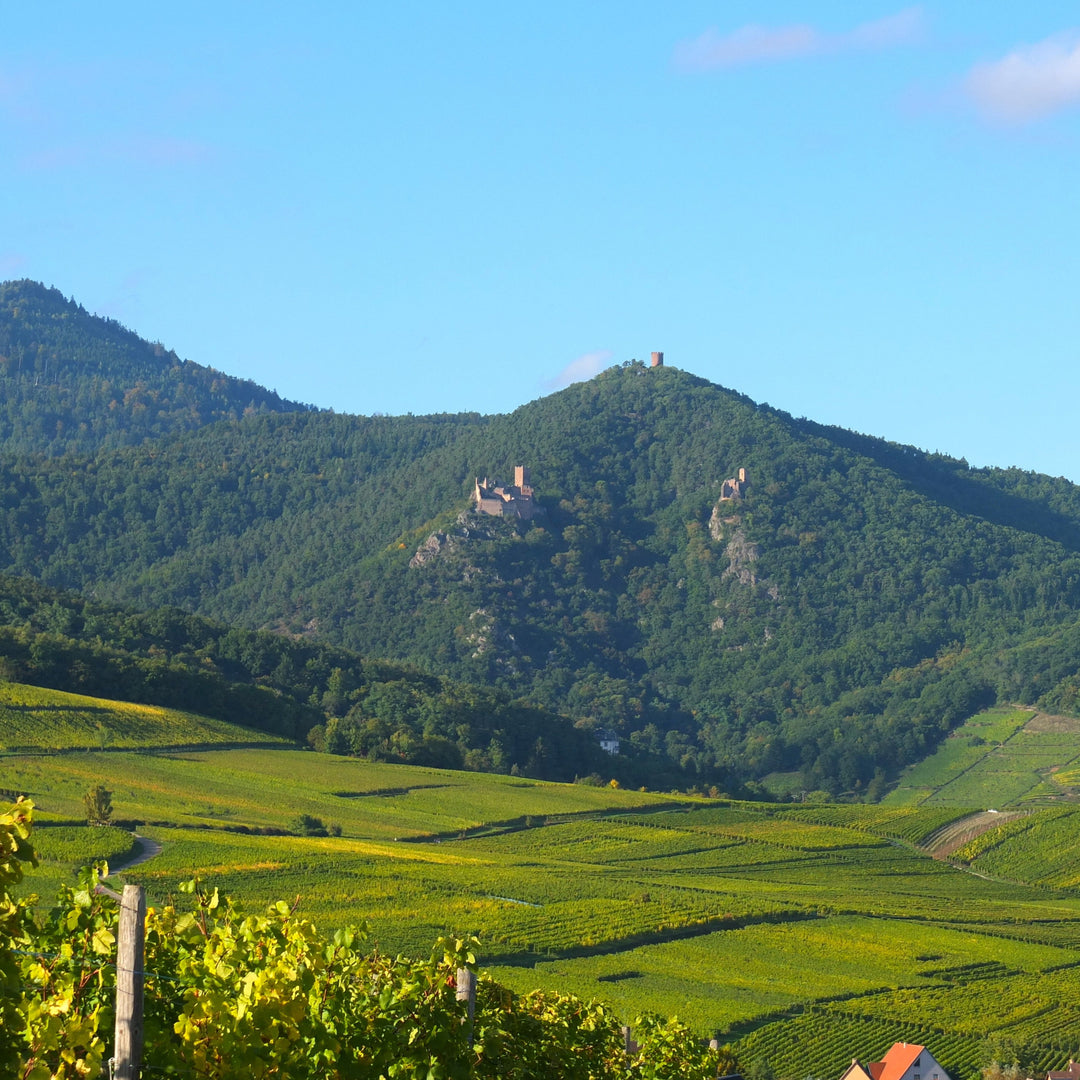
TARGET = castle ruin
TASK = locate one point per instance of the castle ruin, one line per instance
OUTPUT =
(657, 360)
(733, 488)
(511, 500)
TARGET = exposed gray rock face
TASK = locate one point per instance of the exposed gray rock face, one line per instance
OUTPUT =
(468, 526)
(741, 554)
(720, 521)
(487, 632)
(429, 549)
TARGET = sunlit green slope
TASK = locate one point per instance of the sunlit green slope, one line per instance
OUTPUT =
(734, 915)
(33, 718)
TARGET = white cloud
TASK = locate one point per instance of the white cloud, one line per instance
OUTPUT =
(747, 45)
(11, 263)
(156, 152)
(584, 367)
(1030, 82)
(904, 28)
(760, 44)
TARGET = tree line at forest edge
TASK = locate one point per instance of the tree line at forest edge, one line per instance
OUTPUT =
(839, 620)
(330, 698)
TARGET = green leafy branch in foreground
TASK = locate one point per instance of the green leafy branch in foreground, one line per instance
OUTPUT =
(15, 851)
(231, 995)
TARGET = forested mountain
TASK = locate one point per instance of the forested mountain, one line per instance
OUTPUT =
(72, 381)
(838, 618)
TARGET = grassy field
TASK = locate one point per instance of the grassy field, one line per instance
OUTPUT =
(748, 920)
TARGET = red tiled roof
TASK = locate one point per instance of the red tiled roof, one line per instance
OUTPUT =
(896, 1062)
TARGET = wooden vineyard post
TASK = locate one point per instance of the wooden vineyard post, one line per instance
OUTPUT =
(128, 1039)
(466, 991)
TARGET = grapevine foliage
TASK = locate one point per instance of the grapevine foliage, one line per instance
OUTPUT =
(232, 996)
(15, 851)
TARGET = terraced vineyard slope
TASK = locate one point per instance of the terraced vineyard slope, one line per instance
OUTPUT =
(1001, 757)
(1042, 847)
(751, 921)
(942, 842)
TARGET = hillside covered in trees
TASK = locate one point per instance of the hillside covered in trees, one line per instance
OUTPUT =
(839, 618)
(330, 698)
(73, 381)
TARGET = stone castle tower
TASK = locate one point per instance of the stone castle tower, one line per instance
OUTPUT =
(657, 360)
(734, 488)
(509, 500)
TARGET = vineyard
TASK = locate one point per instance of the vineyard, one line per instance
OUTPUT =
(260, 789)
(985, 1001)
(224, 996)
(804, 934)
(1040, 848)
(32, 718)
(733, 977)
(63, 850)
(906, 823)
(967, 833)
(821, 1044)
(1000, 757)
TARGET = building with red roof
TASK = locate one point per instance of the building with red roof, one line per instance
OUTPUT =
(904, 1061)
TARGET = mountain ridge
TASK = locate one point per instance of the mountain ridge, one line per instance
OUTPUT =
(838, 619)
(79, 382)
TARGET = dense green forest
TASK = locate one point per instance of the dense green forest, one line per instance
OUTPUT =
(839, 619)
(72, 381)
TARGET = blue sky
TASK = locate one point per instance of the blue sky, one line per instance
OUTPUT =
(864, 214)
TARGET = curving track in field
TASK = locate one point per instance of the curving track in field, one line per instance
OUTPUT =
(942, 842)
(145, 849)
